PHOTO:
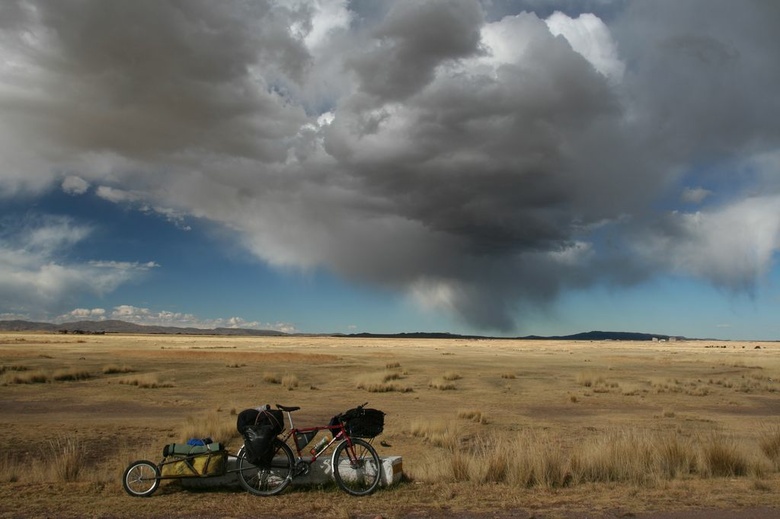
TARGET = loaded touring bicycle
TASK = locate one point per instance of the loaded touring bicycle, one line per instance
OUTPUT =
(265, 464)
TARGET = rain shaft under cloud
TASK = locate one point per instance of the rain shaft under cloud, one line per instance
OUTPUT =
(478, 161)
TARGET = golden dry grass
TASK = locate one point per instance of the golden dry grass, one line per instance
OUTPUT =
(481, 424)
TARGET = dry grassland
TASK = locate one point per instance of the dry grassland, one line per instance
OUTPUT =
(505, 428)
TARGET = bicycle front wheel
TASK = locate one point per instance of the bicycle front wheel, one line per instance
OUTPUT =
(141, 478)
(356, 468)
(270, 480)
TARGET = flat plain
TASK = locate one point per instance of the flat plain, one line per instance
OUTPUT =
(486, 428)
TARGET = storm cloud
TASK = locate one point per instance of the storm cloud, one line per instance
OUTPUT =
(478, 160)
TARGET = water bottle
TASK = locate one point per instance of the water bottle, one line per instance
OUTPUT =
(320, 445)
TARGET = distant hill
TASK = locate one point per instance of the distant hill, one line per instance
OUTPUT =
(115, 326)
(584, 336)
(608, 336)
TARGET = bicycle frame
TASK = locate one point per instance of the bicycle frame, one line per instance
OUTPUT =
(338, 437)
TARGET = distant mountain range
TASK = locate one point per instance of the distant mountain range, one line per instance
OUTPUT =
(115, 326)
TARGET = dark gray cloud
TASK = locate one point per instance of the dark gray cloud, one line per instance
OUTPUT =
(478, 157)
(412, 41)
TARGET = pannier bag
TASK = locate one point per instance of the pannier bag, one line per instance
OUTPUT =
(259, 427)
(259, 444)
(363, 423)
(182, 460)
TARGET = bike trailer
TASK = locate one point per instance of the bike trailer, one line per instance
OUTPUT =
(183, 460)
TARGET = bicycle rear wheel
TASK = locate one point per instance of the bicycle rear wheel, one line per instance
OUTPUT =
(271, 480)
(356, 469)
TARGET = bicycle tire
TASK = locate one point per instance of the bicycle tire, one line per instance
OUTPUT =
(267, 481)
(359, 476)
(141, 478)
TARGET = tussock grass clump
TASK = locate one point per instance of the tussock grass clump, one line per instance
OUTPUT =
(510, 376)
(540, 461)
(721, 456)
(26, 377)
(475, 415)
(451, 375)
(623, 456)
(271, 378)
(146, 381)
(13, 367)
(115, 369)
(618, 456)
(67, 458)
(439, 433)
(589, 379)
(769, 442)
(290, 381)
(71, 375)
(380, 382)
(523, 460)
(669, 385)
(442, 384)
(10, 469)
(674, 456)
(393, 365)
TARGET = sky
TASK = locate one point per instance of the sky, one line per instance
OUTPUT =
(495, 167)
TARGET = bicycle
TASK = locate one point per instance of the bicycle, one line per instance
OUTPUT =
(355, 463)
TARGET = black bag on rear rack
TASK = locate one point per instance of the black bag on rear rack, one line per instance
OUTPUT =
(272, 417)
(363, 423)
(259, 427)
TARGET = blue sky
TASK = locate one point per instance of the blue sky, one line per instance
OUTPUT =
(498, 167)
